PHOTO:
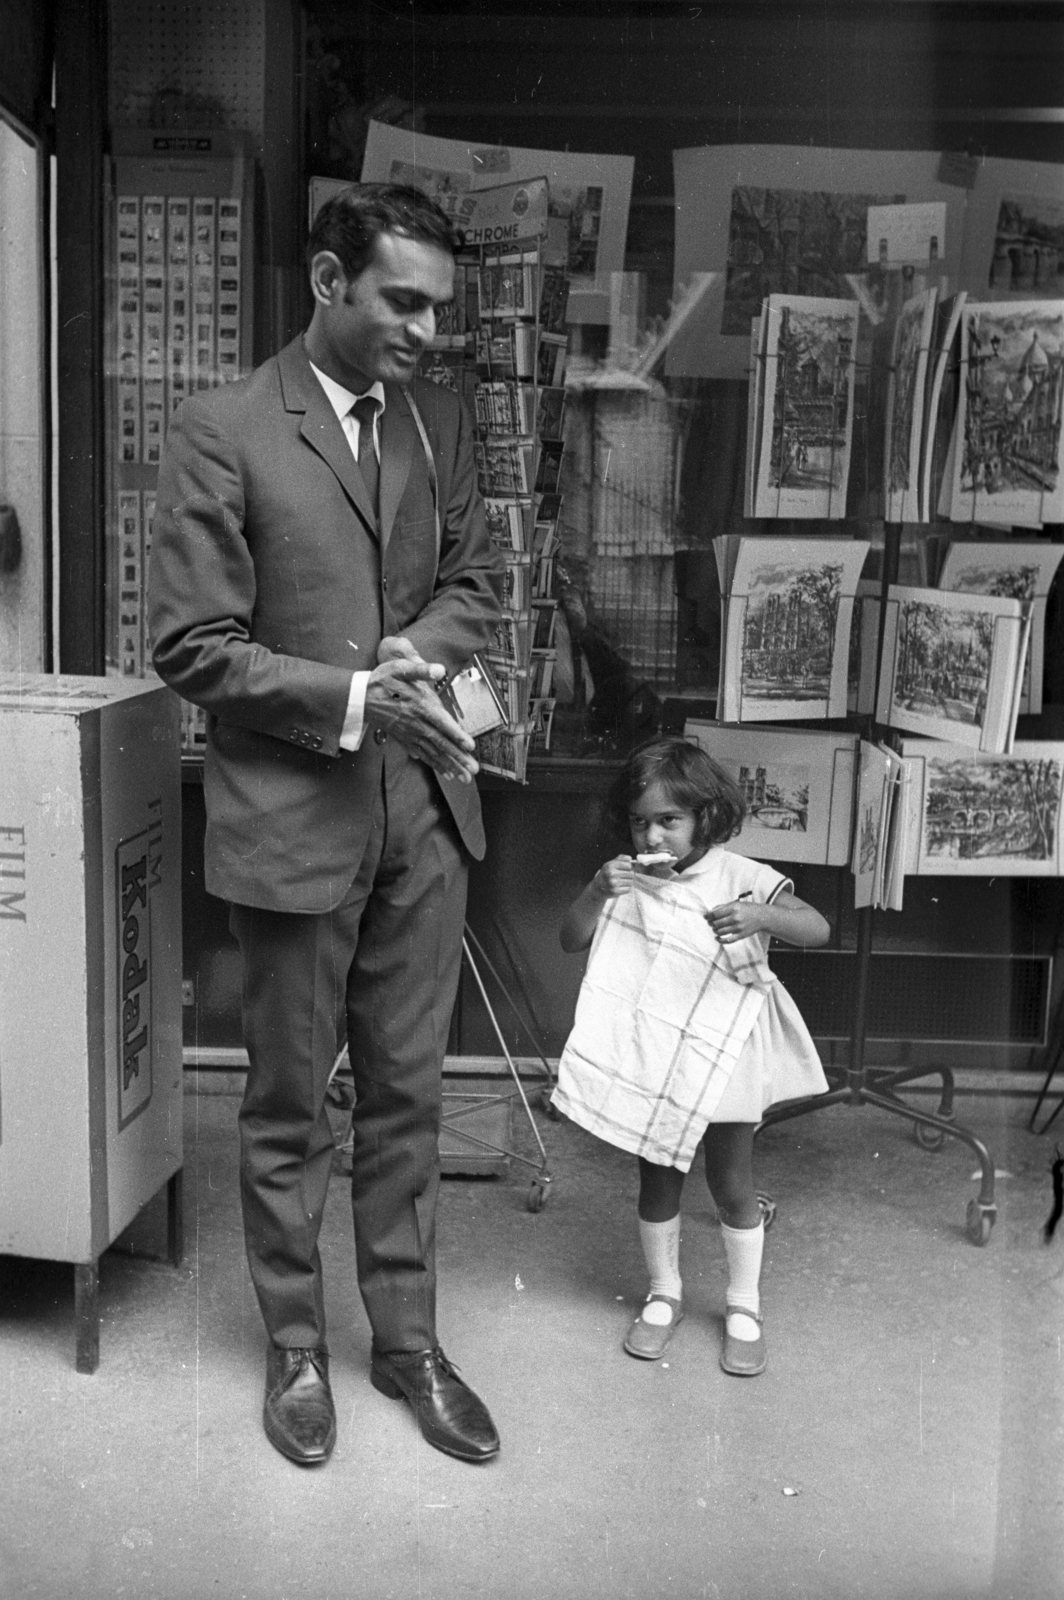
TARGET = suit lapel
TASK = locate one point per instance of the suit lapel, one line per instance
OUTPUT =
(322, 430)
(397, 443)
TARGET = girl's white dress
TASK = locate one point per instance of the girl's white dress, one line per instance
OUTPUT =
(675, 1030)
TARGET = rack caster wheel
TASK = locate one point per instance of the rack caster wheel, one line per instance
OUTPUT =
(537, 1195)
(980, 1219)
(928, 1138)
(549, 1110)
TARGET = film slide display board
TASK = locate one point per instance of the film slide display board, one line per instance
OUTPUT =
(179, 320)
(179, 326)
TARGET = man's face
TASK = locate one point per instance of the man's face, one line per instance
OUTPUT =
(377, 324)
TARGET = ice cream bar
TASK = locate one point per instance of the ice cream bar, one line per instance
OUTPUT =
(655, 858)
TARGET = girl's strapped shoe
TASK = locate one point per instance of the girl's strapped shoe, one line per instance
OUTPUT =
(648, 1340)
(743, 1358)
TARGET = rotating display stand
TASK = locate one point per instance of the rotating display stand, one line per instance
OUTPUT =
(877, 1086)
(461, 1109)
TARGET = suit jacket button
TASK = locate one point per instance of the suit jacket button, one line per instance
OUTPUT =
(384, 583)
(379, 735)
(316, 740)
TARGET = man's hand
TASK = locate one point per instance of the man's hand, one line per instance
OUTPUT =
(401, 699)
(393, 647)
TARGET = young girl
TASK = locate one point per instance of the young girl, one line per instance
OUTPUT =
(682, 1033)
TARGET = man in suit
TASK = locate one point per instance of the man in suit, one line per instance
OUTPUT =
(320, 562)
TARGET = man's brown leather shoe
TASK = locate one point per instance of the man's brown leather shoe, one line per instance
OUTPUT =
(449, 1414)
(298, 1413)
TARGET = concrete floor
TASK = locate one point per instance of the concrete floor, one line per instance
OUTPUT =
(914, 1398)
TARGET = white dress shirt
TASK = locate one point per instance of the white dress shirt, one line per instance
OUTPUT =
(342, 400)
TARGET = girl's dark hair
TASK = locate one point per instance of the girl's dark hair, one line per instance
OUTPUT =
(351, 222)
(691, 779)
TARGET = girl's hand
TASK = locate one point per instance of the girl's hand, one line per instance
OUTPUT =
(615, 877)
(736, 919)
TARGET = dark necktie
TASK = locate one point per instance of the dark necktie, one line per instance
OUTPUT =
(365, 411)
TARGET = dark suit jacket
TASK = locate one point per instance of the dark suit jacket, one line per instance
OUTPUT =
(270, 583)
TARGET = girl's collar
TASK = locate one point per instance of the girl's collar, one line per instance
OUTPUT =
(701, 865)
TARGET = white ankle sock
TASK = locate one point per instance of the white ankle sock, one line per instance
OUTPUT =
(661, 1251)
(743, 1249)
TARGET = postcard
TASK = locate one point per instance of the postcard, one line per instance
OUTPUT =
(1023, 570)
(506, 521)
(504, 751)
(1009, 465)
(870, 825)
(980, 815)
(941, 398)
(878, 845)
(952, 665)
(807, 414)
(905, 407)
(788, 605)
(754, 395)
(798, 787)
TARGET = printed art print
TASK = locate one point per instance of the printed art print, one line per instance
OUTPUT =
(776, 794)
(788, 606)
(791, 241)
(1008, 466)
(808, 409)
(789, 634)
(1020, 571)
(905, 407)
(943, 662)
(581, 210)
(989, 815)
(798, 787)
(867, 861)
(1028, 252)
(953, 666)
(442, 186)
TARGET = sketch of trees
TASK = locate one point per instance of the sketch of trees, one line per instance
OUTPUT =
(944, 661)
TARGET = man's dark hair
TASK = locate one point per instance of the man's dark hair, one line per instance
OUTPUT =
(692, 780)
(352, 221)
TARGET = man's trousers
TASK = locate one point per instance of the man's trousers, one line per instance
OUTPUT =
(388, 957)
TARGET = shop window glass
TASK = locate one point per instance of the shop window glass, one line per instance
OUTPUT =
(22, 436)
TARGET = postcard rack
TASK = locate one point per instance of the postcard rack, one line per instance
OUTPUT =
(463, 1114)
(914, 336)
(503, 347)
(878, 1086)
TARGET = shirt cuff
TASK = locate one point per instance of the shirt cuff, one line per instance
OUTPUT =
(355, 721)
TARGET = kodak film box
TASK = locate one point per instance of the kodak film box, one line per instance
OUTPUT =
(90, 959)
